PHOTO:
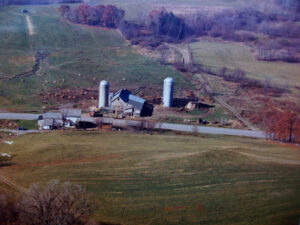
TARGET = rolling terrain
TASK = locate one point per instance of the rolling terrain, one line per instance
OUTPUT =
(166, 178)
(68, 56)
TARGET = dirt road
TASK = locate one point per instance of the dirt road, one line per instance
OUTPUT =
(219, 100)
(29, 26)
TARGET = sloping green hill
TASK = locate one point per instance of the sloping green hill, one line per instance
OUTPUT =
(72, 56)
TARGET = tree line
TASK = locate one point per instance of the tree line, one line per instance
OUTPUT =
(100, 15)
(240, 25)
(282, 123)
(244, 24)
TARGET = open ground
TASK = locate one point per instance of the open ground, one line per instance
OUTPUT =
(166, 178)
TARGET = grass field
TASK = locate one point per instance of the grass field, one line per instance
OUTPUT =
(77, 56)
(136, 8)
(235, 55)
(167, 178)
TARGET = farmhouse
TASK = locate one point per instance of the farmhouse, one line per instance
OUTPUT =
(50, 120)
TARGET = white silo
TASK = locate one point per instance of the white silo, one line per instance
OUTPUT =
(168, 92)
(103, 94)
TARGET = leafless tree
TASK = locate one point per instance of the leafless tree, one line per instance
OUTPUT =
(8, 209)
(99, 123)
(223, 71)
(55, 204)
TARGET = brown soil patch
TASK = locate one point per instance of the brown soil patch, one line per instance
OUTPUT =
(176, 208)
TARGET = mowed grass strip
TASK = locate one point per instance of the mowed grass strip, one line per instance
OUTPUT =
(167, 178)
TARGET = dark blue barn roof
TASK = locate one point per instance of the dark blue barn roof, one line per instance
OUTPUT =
(128, 97)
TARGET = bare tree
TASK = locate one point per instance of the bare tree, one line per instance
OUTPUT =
(99, 123)
(55, 204)
(8, 209)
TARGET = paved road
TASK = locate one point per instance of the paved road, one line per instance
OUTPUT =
(210, 130)
(19, 116)
(142, 124)
(180, 127)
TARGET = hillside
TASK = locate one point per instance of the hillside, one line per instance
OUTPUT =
(69, 56)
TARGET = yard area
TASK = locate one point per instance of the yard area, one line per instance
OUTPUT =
(167, 178)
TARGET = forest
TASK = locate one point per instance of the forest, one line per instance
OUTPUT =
(245, 25)
(100, 15)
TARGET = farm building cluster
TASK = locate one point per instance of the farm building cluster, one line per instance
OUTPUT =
(120, 104)
(55, 120)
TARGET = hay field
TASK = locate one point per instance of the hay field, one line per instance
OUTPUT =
(167, 178)
(236, 55)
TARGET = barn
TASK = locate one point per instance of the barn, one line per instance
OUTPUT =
(123, 102)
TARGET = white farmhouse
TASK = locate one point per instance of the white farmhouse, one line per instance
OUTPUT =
(50, 120)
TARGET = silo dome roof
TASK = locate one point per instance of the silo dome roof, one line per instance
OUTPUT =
(169, 79)
(104, 82)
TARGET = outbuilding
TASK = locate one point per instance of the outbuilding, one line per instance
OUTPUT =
(50, 120)
(71, 116)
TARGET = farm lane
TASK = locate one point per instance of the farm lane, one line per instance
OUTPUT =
(209, 91)
(29, 26)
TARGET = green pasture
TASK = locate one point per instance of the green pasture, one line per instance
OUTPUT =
(167, 178)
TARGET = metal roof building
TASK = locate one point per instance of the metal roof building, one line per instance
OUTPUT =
(71, 112)
(52, 115)
(123, 101)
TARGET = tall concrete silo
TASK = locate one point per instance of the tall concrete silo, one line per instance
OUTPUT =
(168, 92)
(103, 94)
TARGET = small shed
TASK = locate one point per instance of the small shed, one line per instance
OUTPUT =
(71, 116)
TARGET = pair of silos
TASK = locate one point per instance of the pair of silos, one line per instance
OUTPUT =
(167, 93)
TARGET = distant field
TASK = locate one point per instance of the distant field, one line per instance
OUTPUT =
(235, 55)
(167, 178)
(136, 8)
(76, 56)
